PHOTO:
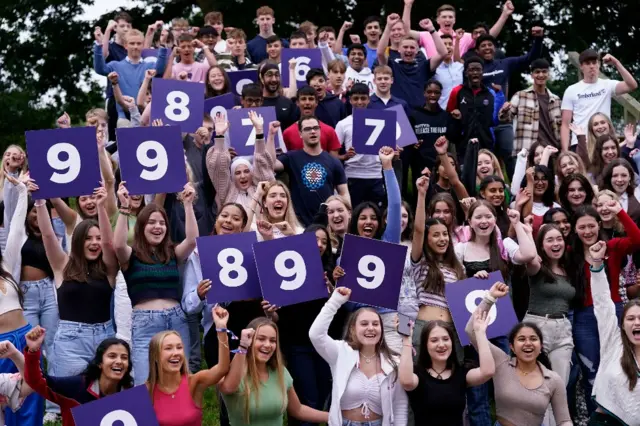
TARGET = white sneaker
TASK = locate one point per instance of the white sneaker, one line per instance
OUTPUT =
(51, 418)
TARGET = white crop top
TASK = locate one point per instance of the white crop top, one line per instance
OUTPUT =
(9, 300)
(363, 392)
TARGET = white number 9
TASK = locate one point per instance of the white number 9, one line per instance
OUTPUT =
(218, 110)
(302, 68)
(71, 164)
(376, 275)
(234, 266)
(160, 162)
(471, 305)
(241, 84)
(118, 416)
(298, 271)
(177, 101)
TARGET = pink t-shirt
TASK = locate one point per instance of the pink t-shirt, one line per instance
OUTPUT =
(426, 41)
(196, 71)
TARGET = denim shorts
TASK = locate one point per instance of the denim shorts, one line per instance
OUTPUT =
(75, 345)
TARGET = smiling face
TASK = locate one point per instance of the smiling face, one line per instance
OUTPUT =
(494, 193)
(606, 215)
(576, 193)
(229, 221)
(443, 212)
(367, 328)
(242, 177)
(620, 179)
(540, 184)
(600, 125)
(568, 165)
(408, 50)
(446, 20)
(439, 344)
(319, 84)
(322, 240)
(474, 73)
(397, 32)
(609, 151)
(13, 159)
(216, 79)
(540, 76)
(482, 221)
(383, 83)
(338, 216)
(115, 362)
(487, 50)
(631, 325)
(438, 239)
(356, 59)
(276, 203)
(155, 229)
(553, 244)
(372, 31)
(88, 206)
(32, 220)
(368, 223)
(485, 166)
(537, 155)
(274, 50)
(92, 247)
(171, 354)
(271, 80)
(134, 46)
(587, 229)
(404, 219)
(526, 345)
(562, 221)
(265, 343)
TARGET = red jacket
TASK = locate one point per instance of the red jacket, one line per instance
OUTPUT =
(328, 138)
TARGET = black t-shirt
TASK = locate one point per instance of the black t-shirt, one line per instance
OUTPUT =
(287, 111)
(439, 402)
(312, 179)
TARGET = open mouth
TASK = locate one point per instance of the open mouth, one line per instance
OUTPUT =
(635, 332)
(484, 227)
(370, 335)
(94, 250)
(441, 351)
(226, 227)
(117, 370)
(484, 170)
(527, 351)
(556, 250)
(278, 207)
(175, 362)
(442, 244)
(367, 230)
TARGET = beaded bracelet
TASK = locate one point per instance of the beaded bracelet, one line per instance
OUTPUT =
(600, 268)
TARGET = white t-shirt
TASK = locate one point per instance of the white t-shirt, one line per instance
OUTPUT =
(586, 99)
(365, 76)
(360, 166)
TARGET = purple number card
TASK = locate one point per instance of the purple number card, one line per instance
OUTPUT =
(63, 162)
(242, 134)
(227, 260)
(305, 60)
(178, 102)
(404, 131)
(218, 105)
(132, 407)
(464, 296)
(152, 159)
(373, 129)
(290, 270)
(241, 78)
(373, 270)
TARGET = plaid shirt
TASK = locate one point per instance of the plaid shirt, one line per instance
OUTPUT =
(526, 110)
(230, 63)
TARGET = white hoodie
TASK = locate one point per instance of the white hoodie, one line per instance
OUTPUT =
(365, 76)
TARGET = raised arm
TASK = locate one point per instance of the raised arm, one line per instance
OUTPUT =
(487, 368)
(186, 247)
(106, 169)
(66, 213)
(442, 148)
(337, 46)
(393, 230)
(122, 249)
(303, 412)
(441, 50)
(319, 331)
(219, 163)
(211, 58)
(207, 378)
(107, 37)
(419, 222)
(231, 382)
(141, 99)
(628, 83)
(292, 91)
(406, 18)
(262, 159)
(527, 247)
(507, 10)
(11, 253)
(384, 40)
(168, 70)
(99, 64)
(497, 291)
(106, 235)
(55, 254)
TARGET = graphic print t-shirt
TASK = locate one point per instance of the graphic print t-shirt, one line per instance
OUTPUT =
(312, 179)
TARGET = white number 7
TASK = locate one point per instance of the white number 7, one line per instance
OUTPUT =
(252, 136)
(378, 126)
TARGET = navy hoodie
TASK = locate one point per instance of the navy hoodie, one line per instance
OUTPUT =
(499, 71)
(331, 110)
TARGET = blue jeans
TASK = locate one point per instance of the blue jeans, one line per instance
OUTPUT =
(346, 422)
(587, 342)
(195, 359)
(32, 410)
(311, 377)
(145, 325)
(60, 229)
(75, 345)
(478, 407)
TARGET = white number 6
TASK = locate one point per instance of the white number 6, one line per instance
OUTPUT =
(177, 100)
(470, 304)
(378, 126)
(118, 416)
(71, 165)
(298, 271)
(235, 265)
(302, 68)
(376, 275)
(160, 162)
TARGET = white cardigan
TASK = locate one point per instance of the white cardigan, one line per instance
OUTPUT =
(16, 199)
(611, 387)
(342, 359)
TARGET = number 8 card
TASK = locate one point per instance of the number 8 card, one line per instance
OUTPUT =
(63, 162)
(152, 159)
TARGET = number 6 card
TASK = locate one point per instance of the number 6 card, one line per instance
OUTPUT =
(464, 296)
(152, 159)
(373, 129)
(63, 162)
(373, 270)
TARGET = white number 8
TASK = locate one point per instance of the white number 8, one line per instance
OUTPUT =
(160, 162)
(470, 304)
(302, 68)
(376, 275)
(71, 165)
(298, 271)
(118, 416)
(235, 265)
(177, 100)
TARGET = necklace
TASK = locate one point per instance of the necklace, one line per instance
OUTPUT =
(526, 373)
(367, 359)
(438, 375)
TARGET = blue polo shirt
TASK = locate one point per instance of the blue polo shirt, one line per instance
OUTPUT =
(409, 80)
(376, 103)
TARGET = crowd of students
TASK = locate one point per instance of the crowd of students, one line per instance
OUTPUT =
(109, 288)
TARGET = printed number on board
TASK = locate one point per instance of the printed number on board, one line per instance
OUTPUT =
(302, 68)
(290, 264)
(230, 260)
(251, 140)
(378, 126)
(71, 165)
(176, 109)
(477, 296)
(372, 277)
(159, 162)
(118, 417)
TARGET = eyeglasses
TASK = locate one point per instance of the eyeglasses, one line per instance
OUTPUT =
(311, 129)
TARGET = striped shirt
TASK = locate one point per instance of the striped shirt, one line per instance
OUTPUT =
(419, 273)
(149, 281)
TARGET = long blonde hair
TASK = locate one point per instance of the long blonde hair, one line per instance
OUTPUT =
(497, 170)
(617, 226)
(251, 378)
(591, 137)
(347, 204)
(155, 349)
(22, 171)
(289, 214)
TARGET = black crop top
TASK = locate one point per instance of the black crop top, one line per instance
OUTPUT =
(89, 302)
(34, 255)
